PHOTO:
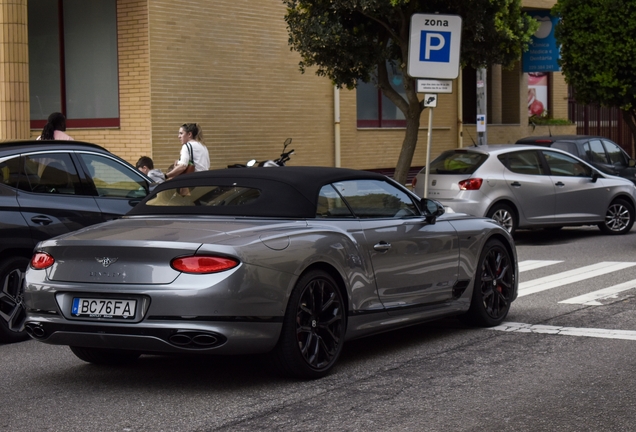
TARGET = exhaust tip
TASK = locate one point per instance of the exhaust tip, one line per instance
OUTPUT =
(35, 330)
(194, 339)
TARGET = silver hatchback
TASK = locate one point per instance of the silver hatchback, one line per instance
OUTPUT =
(529, 187)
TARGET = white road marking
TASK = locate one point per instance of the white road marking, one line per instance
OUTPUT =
(591, 299)
(571, 276)
(535, 264)
(566, 331)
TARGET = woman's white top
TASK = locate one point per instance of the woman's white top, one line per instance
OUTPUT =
(200, 154)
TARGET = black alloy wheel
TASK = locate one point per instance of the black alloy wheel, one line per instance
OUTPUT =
(494, 284)
(12, 312)
(105, 356)
(619, 218)
(313, 328)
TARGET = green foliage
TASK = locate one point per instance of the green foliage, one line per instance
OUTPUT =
(352, 40)
(598, 50)
(347, 39)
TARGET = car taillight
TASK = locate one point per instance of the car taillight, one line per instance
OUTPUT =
(203, 264)
(470, 184)
(41, 261)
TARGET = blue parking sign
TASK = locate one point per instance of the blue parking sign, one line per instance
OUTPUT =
(435, 46)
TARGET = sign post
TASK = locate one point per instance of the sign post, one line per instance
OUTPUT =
(434, 47)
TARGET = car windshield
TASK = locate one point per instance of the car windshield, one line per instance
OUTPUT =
(457, 162)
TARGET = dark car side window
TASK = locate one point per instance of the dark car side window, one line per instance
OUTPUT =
(523, 162)
(112, 179)
(595, 151)
(376, 199)
(616, 155)
(51, 173)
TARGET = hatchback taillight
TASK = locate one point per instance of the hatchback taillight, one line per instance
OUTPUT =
(470, 184)
(41, 261)
(203, 264)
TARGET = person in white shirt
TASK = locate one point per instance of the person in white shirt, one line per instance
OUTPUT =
(54, 128)
(193, 151)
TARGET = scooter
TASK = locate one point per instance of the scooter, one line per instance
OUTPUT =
(280, 161)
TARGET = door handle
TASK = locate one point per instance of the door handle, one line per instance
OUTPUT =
(559, 183)
(382, 246)
(515, 184)
(41, 220)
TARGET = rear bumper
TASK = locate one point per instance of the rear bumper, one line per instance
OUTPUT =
(169, 336)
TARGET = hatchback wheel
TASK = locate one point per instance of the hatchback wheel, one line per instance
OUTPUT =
(105, 356)
(619, 218)
(12, 313)
(494, 285)
(504, 216)
(313, 328)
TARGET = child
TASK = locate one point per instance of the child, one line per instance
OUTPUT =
(146, 166)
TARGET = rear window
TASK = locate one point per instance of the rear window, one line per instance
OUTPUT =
(457, 162)
(204, 196)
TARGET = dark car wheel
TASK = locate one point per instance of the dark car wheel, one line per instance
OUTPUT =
(104, 356)
(619, 218)
(494, 284)
(313, 328)
(504, 216)
(12, 313)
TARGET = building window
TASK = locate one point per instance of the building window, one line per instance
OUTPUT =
(375, 110)
(73, 62)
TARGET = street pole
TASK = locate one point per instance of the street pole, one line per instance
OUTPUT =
(482, 106)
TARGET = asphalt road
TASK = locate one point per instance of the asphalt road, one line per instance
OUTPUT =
(553, 367)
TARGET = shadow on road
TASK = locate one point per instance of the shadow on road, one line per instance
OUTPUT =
(543, 237)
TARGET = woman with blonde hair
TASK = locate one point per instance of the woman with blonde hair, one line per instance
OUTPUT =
(193, 151)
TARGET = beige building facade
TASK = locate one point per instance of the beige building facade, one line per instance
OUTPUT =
(227, 65)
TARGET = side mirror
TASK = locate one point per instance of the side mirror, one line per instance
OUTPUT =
(595, 176)
(432, 209)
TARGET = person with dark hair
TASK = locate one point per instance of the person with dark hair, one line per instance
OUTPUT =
(193, 151)
(147, 166)
(54, 128)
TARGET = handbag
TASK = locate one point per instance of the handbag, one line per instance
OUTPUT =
(190, 168)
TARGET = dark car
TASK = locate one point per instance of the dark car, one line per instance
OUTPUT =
(600, 152)
(48, 188)
(292, 261)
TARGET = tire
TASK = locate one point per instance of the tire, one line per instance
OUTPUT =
(494, 284)
(504, 216)
(619, 218)
(104, 356)
(12, 312)
(313, 328)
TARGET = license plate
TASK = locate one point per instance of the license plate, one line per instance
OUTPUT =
(103, 308)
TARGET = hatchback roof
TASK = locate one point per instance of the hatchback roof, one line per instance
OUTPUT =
(10, 147)
(553, 138)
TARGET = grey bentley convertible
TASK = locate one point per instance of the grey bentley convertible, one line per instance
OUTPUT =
(293, 261)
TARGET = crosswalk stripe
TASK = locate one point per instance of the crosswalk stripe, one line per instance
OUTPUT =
(535, 264)
(566, 331)
(591, 299)
(571, 276)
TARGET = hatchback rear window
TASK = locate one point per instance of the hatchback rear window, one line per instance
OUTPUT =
(457, 162)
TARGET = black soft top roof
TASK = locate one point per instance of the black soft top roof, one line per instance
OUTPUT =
(289, 192)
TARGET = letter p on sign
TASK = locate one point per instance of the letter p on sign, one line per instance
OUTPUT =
(435, 46)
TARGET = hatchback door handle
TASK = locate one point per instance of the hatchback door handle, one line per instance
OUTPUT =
(41, 220)
(382, 246)
(515, 184)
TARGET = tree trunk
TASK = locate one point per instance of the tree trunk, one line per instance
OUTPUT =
(408, 145)
(630, 120)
